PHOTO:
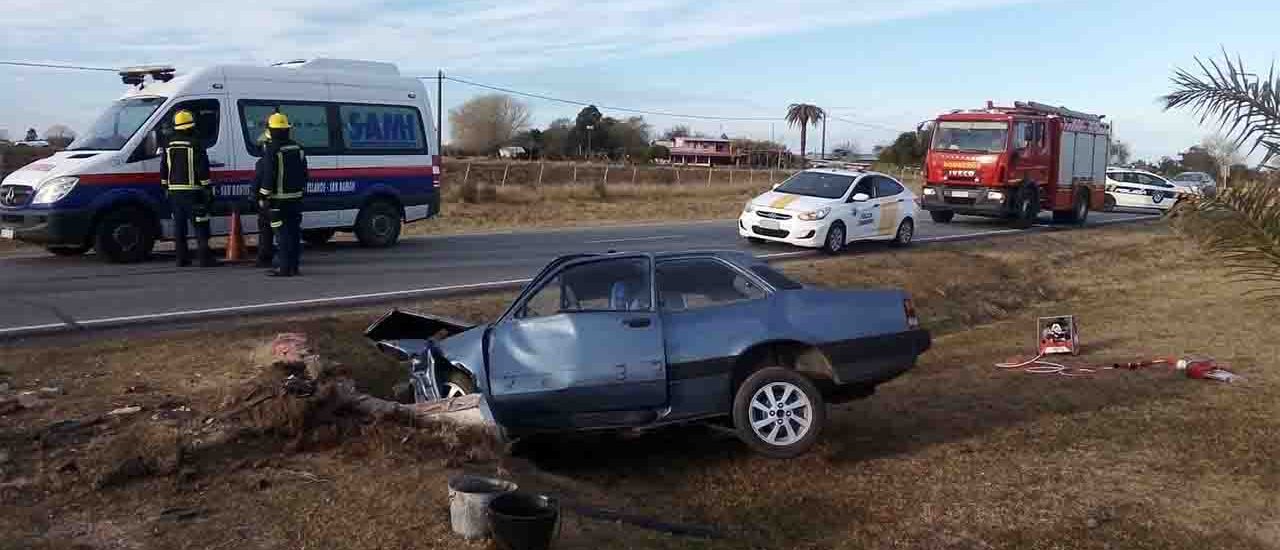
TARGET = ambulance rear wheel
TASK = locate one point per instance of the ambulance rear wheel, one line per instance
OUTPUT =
(125, 235)
(378, 224)
(317, 237)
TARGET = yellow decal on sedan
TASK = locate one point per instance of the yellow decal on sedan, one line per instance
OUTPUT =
(888, 217)
(782, 202)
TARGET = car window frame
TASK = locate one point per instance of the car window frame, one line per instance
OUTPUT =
(541, 282)
(888, 180)
(853, 189)
(144, 153)
(766, 288)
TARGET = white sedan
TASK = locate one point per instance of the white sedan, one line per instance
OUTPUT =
(1129, 188)
(829, 208)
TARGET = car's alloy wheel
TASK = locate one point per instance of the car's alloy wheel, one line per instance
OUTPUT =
(1109, 203)
(835, 239)
(453, 390)
(457, 384)
(906, 232)
(779, 412)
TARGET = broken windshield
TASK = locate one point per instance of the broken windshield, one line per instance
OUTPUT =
(980, 137)
(115, 126)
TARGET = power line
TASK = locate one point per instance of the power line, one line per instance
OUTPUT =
(608, 107)
(56, 66)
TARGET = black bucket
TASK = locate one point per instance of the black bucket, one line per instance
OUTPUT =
(523, 521)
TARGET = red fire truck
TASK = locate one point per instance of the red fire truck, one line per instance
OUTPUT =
(1013, 162)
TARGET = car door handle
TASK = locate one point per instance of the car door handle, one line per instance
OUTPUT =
(637, 322)
(902, 200)
(876, 206)
(217, 164)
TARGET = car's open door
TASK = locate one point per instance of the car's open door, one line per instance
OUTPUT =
(583, 349)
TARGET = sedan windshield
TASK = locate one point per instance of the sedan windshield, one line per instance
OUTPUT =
(979, 137)
(816, 184)
(115, 126)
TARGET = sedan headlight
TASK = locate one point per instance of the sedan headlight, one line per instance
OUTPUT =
(748, 208)
(55, 189)
(816, 214)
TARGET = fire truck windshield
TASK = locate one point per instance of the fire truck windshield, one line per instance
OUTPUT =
(978, 137)
(115, 126)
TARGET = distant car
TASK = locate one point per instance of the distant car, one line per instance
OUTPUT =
(1200, 181)
(606, 341)
(829, 208)
(32, 143)
(1131, 188)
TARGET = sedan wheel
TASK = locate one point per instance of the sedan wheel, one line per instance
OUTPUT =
(779, 412)
(906, 232)
(835, 239)
(458, 384)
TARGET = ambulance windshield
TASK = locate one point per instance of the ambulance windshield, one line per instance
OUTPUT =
(115, 126)
(974, 137)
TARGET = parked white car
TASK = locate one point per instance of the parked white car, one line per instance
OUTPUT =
(1200, 181)
(829, 208)
(1131, 188)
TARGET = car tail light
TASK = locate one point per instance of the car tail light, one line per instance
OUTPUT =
(910, 308)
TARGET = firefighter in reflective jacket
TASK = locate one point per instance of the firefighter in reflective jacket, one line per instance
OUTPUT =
(184, 172)
(282, 179)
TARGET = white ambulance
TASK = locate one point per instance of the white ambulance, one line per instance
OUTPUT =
(367, 131)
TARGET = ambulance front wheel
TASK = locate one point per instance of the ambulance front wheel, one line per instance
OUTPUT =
(125, 235)
(378, 224)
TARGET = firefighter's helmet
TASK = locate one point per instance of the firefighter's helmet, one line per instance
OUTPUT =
(277, 121)
(183, 120)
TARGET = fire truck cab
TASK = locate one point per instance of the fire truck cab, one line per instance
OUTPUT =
(1013, 162)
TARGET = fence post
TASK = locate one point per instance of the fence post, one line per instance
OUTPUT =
(605, 180)
(709, 168)
(677, 175)
(466, 176)
(770, 175)
(505, 169)
(541, 166)
(731, 171)
(575, 173)
(751, 176)
(634, 169)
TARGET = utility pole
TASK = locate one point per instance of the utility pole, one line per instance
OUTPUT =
(590, 127)
(824, 139)
(439, 112)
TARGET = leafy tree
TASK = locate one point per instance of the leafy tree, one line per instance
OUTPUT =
(804, 115)
(845, 150)
(1195, 159)
(31, 134)
(1241, 222)
(59, 135)
(591, 117)
(908, 149)
(485, 123)
(1225, 152)
(557, 139)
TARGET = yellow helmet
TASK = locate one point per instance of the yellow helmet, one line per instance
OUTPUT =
(183, 120)
(278, 121)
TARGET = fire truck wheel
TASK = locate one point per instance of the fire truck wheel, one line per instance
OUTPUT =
(942, 216)
(1028, 208)
(1078, 214)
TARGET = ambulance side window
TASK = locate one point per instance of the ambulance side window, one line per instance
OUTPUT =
(206, 112)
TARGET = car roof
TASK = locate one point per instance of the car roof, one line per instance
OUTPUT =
(1134, 170)
(840, 171)
(737, 256)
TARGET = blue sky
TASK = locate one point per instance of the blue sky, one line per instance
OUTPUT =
(886, 63)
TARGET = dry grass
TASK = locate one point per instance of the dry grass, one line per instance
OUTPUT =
(953, 455)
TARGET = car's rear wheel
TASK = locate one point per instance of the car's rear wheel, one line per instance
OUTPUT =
(942, 216)
(1109, 203)
(779, 412)
(457, 384)
(835, 239)
(906, 232)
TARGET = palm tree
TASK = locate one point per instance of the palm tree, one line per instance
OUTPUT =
(804, 115)
(1241, 222)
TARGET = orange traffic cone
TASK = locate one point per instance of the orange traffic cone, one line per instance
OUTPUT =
(235, 241)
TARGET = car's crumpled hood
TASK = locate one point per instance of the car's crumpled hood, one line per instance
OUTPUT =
(774, 200)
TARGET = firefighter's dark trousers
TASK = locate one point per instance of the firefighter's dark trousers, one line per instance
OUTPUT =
(286, 221)
(190, 207)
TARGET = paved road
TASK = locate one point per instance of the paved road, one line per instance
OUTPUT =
(50, 294)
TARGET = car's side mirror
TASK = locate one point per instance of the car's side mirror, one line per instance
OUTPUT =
(860, 197)
(776, 185)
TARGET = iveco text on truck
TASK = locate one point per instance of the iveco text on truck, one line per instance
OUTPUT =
(367, 132)
(1013, 162)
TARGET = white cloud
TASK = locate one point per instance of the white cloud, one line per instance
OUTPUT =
(495, 35)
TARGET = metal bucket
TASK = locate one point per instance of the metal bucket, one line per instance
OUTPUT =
(469, 498)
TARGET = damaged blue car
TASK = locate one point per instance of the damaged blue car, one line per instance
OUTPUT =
(607, 341)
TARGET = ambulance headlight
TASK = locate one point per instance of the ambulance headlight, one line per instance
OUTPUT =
(55, 189)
